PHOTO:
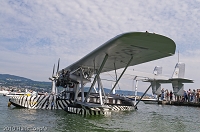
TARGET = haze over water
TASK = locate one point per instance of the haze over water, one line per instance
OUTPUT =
(147, 118)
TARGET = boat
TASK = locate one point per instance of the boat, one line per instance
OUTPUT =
(11, 94)
(150, 101)
(4, 92)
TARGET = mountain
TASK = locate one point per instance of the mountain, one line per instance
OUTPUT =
(8, 80)
(13, 77)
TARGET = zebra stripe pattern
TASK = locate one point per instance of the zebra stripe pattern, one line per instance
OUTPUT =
(86, 111)
(39, 102)
(52, 102)
(121, 108)
(97, 111)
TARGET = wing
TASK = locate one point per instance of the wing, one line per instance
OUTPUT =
(142, 46)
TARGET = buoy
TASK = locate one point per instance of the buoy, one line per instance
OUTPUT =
(9, 104)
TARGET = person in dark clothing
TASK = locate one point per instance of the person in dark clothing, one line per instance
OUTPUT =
(162, 93)
(171, 95)
(189, 95)
(185, 96)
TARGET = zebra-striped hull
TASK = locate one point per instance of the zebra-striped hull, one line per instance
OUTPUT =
(52, 102)
(97, 111)
(84, 110)
(87, 111)
(39, 102)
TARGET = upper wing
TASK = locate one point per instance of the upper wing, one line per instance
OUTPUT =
(142, 46)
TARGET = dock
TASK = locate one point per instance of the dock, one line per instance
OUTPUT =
(179, 103)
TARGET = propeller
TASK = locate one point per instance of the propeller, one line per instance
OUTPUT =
(52, 78)
(55, 77)
(58, 66)
(57, 81)
(53, 70)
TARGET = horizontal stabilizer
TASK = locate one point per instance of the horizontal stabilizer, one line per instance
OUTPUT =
(153, 77)
(178, 75)
(182, 80)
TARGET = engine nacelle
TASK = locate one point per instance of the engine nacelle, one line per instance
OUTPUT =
(78, 79)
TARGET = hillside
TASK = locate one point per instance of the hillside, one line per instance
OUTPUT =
(16, 81)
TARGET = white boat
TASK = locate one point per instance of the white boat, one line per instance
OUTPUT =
(11, 94)
(150, 101)
(4, 92)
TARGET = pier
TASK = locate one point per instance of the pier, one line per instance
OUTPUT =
(179, 103)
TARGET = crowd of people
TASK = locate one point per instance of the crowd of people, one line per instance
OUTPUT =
(188, 96)
(191, 96)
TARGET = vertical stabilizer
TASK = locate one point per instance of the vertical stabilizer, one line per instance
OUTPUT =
(179, 71)
(157, 70)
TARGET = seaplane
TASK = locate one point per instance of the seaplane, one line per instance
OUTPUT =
(122, 51)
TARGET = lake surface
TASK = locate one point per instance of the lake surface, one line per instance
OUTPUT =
(148, 117)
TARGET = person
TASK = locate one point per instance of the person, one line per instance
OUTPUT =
(47, 104)
(194, 96)
(167, 94)
(197, 96)
(162, 93)
(185, 96)
(189, 95)
(171, 95)
(52, 105)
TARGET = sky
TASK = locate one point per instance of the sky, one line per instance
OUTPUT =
(34, 34)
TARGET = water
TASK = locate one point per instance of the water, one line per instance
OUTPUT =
(148, 117)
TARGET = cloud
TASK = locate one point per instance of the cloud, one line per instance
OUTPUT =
(34, 34)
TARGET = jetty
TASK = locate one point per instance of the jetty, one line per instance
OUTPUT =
(179, 103)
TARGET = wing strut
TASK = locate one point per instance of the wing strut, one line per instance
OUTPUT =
(115, 72)
(142, 96)
(98, 72)
(121, 74)
(100, 89)
(82, 88)
(94, 66)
